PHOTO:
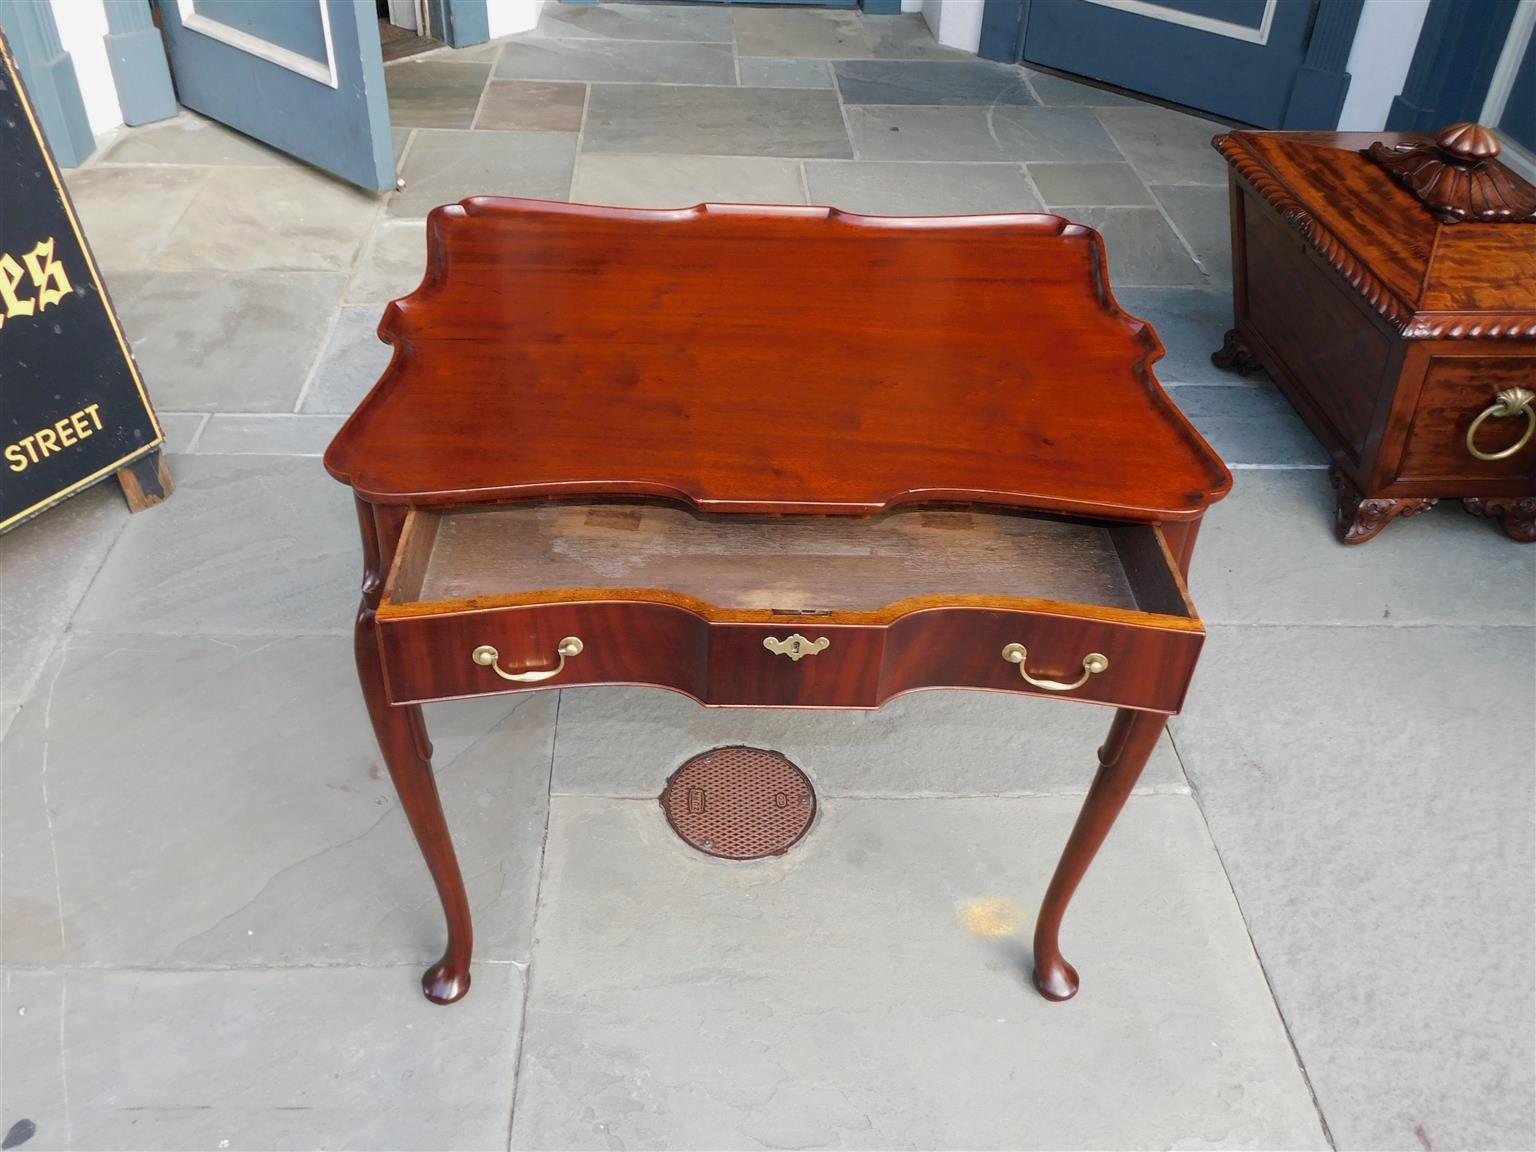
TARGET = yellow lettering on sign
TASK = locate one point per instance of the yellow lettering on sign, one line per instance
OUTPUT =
(11, 305)
(56, 437)
(48, 277)
(47, 271)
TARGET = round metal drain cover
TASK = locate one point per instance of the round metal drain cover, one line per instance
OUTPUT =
(739, 803)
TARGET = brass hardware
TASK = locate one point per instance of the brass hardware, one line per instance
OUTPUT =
(1509, 402)
(795, 646)
(487, 657)
(1093, 663)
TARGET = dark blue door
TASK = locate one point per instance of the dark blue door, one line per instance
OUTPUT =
(1273, 63)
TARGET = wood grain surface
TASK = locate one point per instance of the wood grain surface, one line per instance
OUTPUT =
(1388, 328)
(678, 599)
(756, 359)
(1383, 240)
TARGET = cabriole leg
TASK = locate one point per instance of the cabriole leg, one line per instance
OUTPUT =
(1131, 739)
(402, 736)
(407, 753)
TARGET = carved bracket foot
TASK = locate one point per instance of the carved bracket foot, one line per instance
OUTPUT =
(1360, 518)
(1235, 356)
(1518, 513)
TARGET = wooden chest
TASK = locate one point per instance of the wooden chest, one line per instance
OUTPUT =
(1388, 285)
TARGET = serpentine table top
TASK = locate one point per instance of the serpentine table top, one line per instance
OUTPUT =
(778, 360)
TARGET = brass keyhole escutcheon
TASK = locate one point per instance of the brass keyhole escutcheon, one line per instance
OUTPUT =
(796, 646)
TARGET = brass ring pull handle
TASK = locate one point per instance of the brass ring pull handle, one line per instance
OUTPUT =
(1093, 663)
(487, 657)
(1509, 402)
(795, 646)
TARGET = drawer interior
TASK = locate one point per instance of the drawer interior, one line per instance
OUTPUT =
(797, 565)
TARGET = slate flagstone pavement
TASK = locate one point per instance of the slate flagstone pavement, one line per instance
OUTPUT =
(1313, 925)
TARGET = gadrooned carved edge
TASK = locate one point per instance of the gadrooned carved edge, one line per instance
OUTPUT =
(1471, 326)
(1397, 311)
(1343, 261)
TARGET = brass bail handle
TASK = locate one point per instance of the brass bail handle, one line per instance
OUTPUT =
(1093, 663)
(1509, 402)
(487, 657)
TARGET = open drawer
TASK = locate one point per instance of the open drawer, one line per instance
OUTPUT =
(790, 611)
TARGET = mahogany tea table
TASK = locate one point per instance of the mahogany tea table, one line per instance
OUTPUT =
(717, 450)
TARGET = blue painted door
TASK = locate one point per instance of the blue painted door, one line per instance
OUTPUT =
(305, 76)
(1244, 60)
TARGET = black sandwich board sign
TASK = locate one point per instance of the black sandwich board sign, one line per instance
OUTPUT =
(72, 407)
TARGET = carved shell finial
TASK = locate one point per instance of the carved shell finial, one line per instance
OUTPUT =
(1468, 142)
(1459, 177)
